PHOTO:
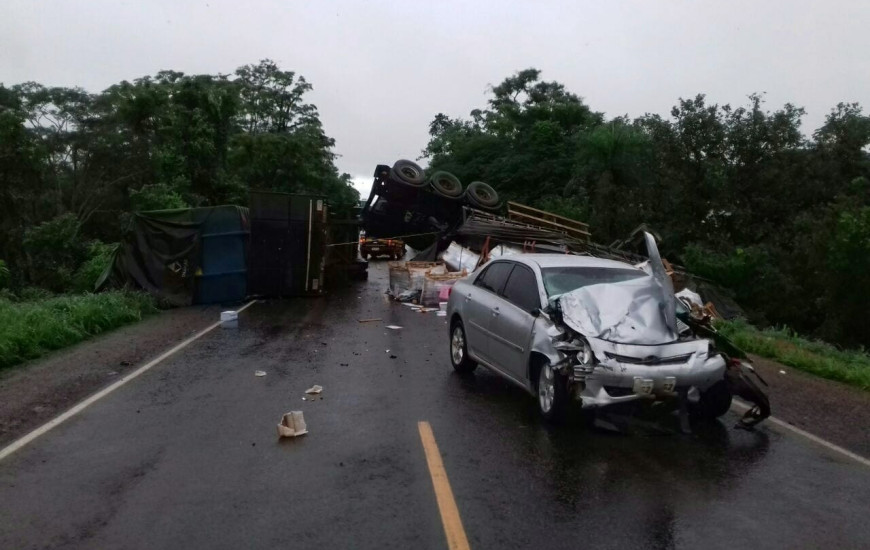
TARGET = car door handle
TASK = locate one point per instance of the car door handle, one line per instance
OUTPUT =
(468, 297)
(495, 312)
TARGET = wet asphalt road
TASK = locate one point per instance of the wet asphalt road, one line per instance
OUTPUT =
(186, 456)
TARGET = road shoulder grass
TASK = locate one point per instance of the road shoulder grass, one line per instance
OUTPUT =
(30, 329)
(818, 358)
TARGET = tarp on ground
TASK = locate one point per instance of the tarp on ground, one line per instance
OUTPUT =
(184, 256)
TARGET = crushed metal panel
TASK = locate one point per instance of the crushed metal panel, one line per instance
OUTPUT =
(629, 312)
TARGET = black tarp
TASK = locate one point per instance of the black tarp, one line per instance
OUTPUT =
(163, 253)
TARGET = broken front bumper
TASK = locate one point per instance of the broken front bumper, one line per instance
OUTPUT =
(635, 372)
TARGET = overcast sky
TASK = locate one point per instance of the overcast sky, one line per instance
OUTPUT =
(382, 70)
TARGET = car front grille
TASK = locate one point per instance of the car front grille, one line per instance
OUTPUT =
(651, 360)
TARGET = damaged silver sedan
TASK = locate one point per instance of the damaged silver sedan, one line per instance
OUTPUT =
(602, 332)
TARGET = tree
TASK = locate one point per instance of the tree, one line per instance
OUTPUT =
(73, 164)
(738, 193)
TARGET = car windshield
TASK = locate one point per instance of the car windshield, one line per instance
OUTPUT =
(559, 280)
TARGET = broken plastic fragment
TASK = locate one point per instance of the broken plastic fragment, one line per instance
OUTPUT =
(394, 327)
(292, 425)
(259, 373)
(315, 389)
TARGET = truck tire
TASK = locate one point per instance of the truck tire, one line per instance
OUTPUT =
(446, 184)
(481, 195)
(408, 173)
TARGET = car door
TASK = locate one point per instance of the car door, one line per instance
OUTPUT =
(480, 300)
(513, 321)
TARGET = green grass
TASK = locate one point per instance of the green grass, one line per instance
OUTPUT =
(29, 329)
(784, 346)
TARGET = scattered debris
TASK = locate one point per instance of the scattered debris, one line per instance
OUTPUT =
(344, 364)
(259, 373)
(394, 327)
(781, 371)
(370, 320)
(441, 314)
(409, 296)
(392, 356)
(229, 319)
(125, 363)
(315, 389)
(292, 425)
(457, 258)
(112, 373)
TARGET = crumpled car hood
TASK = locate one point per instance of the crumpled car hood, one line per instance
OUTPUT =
(628, 312)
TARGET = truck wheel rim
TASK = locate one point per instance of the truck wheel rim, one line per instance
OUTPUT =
(457, 346)
(546, 388)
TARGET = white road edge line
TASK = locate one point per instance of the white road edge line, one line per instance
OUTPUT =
(740, 404)
(17, 444)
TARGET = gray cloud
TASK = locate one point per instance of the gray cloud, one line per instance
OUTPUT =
(382, 70)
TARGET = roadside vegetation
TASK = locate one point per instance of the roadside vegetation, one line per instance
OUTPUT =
(786, 347)
(37, 324)
(741, 195)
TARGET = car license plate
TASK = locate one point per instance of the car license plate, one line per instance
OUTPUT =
(376, 249)
(643, 385)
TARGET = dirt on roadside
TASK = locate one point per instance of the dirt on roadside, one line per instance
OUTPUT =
(830, 410)
(35, 392)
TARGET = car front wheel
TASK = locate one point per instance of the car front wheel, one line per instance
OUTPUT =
(459, 350)
(552, 394)
(714, 402)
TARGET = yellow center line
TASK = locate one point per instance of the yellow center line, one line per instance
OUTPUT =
(456, 539)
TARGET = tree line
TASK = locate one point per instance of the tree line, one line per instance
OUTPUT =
(74, 164)
(739, 195)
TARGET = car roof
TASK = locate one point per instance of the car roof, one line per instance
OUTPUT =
(566, 260)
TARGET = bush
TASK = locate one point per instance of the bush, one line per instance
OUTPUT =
(100, 255)
(158, 196)
(55, 250)
(786, 347)
(5, 275)
(32, 328)
(33, 294)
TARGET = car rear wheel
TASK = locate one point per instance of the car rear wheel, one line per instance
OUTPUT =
(552, 390)
(408, 173)
(481, 195)
(459, 350)
(714, 402)
(446, 184)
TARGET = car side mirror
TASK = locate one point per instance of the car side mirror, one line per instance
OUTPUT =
(536, 312)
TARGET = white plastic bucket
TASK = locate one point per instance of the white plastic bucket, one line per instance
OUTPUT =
(229, 319)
